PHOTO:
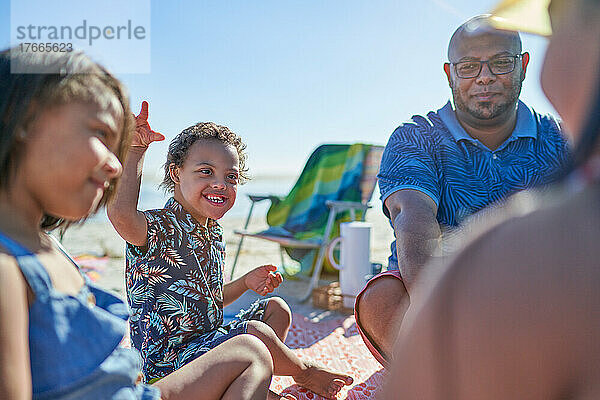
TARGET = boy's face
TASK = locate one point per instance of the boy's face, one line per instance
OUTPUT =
(206, 183)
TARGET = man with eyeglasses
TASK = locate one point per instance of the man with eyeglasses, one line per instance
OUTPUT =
(438, 170)
(516, 314)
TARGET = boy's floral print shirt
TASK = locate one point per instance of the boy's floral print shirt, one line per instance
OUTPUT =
(174, 284)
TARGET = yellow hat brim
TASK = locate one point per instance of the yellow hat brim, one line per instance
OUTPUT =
(522, 15)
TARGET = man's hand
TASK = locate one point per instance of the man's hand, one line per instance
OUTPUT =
(144, 135)
(263, 280)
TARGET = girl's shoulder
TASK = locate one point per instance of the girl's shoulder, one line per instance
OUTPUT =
(15, 298)
(8, 263)
(13, 284)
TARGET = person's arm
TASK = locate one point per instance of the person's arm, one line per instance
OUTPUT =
(128, 221)
(262, 280)
(233, 290)
(15, 371)
(410, 185)
(417, 231)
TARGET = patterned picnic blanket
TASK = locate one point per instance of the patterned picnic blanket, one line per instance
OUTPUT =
(337, 345)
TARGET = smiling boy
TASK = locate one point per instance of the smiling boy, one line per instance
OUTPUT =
(176, 257)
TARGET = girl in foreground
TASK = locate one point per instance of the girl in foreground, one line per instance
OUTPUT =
(63, 136)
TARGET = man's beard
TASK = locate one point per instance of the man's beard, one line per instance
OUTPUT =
(487, 109)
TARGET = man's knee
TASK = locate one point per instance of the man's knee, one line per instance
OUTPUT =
(382, 297)
(379, 313)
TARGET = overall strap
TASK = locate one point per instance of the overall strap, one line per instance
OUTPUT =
(62, 249)
(36, 275)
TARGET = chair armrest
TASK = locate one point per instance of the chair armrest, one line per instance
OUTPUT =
(255, 198)
(347, 205)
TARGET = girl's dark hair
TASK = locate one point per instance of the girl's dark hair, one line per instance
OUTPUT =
(179, 147)
(45, 80)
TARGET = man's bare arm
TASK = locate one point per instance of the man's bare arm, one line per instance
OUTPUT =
(417, 231)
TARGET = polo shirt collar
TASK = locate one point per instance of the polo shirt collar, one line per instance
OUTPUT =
(526, 124)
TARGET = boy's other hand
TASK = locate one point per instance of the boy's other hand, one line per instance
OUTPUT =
(144, 135)
(263, 280)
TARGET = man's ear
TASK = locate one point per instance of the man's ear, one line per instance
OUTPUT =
(174, 173)
(447, 71)
(524, 63)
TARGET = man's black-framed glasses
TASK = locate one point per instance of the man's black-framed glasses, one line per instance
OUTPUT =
(499, 65)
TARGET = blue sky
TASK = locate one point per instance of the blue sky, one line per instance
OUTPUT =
(289, 75)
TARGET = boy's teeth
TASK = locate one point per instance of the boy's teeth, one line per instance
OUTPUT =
(215, 199)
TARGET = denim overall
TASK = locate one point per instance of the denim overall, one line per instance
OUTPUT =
(74, 340)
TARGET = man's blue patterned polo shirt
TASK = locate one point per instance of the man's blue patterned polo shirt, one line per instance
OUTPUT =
(437, 157)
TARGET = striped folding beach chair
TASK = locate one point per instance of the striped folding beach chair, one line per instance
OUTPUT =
(335, 185)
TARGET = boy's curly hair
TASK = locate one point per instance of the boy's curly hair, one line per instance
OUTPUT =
(180, 145)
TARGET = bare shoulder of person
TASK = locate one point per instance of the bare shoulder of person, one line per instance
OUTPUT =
(11, 278)
(8, 266)
(15, 296)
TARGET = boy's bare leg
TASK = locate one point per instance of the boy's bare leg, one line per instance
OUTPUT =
(240, 368)
(278, 316)
(321, 381)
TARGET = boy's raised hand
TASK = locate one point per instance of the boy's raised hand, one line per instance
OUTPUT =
(263, 279)
(144, 135)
